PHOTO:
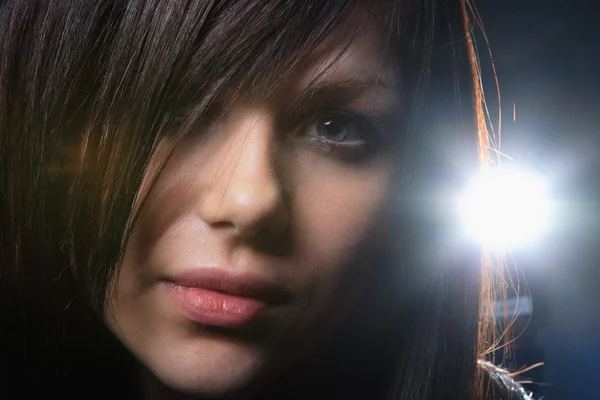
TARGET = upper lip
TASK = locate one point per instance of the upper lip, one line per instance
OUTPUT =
(221, 280)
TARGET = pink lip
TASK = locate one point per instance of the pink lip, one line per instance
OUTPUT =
(213, 296)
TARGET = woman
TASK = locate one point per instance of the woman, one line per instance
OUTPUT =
(225, 199)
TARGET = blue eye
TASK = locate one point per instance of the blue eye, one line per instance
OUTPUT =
(334, 128)
(344, 133)
(337, 127)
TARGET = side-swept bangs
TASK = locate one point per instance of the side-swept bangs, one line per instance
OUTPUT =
(88, 88)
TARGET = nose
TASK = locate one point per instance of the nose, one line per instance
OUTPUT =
(246, 196)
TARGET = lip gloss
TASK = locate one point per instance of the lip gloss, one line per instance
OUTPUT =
(210, 307)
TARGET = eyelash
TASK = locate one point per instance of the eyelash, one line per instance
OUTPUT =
(371, 132)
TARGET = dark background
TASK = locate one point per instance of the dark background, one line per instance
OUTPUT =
(547, 54)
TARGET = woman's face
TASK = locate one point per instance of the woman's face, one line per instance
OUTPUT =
(246, 255)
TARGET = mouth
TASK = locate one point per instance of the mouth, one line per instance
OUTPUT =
(214, 297)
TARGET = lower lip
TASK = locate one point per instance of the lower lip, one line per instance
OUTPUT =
(212, 308)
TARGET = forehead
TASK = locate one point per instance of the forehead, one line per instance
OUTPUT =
(349, 54)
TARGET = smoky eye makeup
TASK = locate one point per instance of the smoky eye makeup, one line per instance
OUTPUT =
(343, 133)
(348, 119)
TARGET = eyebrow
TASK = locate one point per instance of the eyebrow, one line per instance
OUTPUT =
(340, 91)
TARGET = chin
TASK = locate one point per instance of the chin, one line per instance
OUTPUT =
(209, 367)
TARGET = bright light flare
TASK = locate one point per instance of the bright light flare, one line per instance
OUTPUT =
(505, 208)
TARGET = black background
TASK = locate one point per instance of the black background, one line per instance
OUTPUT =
(547, 54)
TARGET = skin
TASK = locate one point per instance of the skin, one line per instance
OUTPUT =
(247, 195)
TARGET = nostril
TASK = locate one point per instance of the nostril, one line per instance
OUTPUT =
(222, 225)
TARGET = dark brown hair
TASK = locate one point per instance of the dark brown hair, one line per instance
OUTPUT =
(88, 88)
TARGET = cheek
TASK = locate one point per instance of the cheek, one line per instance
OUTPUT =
(338, 217)
(338, 214)
(339, 207)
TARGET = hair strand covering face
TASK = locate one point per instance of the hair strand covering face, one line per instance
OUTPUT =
(88, 91)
